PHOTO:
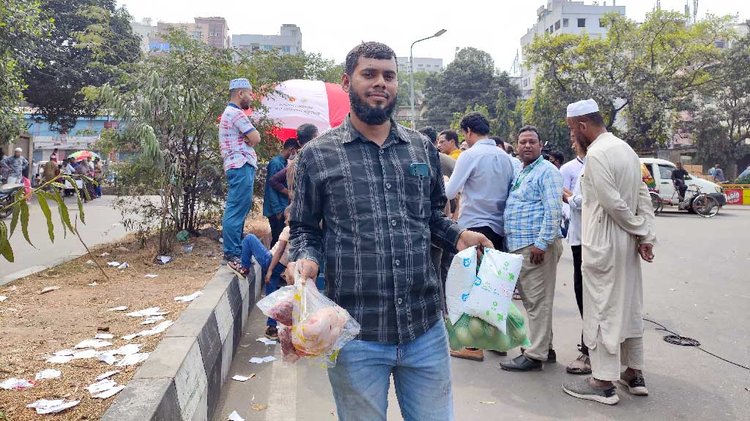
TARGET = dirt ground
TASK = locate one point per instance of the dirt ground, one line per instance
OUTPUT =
(33, 326)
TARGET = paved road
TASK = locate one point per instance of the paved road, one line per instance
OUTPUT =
(697, 287)
(102, 226)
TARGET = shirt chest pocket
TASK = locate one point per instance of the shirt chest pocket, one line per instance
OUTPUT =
(417, 196)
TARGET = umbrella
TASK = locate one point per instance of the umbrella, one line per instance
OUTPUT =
(81, 155)
(323, 104)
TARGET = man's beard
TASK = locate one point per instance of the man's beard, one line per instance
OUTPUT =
(245, 104)
(373, 116)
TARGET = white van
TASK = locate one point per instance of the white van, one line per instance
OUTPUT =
(661, 171)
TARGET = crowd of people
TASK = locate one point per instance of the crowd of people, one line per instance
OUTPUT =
(380, 210)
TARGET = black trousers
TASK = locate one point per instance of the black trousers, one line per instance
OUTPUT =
(578, 287)
(277, 225)
(498, 241)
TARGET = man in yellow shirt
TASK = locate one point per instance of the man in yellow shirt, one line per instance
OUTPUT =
(448, 143)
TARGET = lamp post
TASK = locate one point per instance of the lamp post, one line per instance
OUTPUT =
(411, 72)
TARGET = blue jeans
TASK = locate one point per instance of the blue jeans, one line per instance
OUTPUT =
(421, 373)
(253, 247)
(239, 200)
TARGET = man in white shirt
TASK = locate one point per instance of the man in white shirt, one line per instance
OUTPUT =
(570, 171)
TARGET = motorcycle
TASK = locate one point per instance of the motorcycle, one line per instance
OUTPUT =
(8, 189)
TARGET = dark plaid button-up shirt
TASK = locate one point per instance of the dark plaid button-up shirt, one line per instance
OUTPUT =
(379, 217)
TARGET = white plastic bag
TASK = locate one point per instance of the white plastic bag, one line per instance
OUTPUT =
(460, 279)
(491, 294)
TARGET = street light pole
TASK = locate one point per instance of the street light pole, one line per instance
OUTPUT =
(411, 73)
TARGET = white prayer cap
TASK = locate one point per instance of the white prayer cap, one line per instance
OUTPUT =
(239, 83)
(18, 150)
(587, 106)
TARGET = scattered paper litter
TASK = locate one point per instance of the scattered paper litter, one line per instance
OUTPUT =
(161, 327)
(106, 357)
(104, 336)
(114, 264)
(234, 416)
(151, 275)
(188, 298)
(93, 284)
(123, 266)
(90, 262)
(60, 359)
(49, 373)
(261, 360)
(106, 375)
(164, 259)
(488, 402)
(239, 378)
(3, 298)
(93, 343)
(118, 308)
(49, 289)
(187, 248)
(64, 353)
(16, 384)
(108, 393)
(148, 312)
(101, 386)
(133, 359)
(266, 341)
(152, 320)
(46, 406)
(89, 353)
(105, 254)
(128, 349)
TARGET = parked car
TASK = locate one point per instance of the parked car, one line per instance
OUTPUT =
(661, 171)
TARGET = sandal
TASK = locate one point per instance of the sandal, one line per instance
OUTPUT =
(236, 265)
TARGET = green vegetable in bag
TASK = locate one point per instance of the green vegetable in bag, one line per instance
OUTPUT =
(473, 332)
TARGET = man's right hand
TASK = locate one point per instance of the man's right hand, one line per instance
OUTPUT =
(308, 270)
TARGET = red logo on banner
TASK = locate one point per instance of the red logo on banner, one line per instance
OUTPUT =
(734, 197)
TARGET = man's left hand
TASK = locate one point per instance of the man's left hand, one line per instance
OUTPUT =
(647, 252)
(470, 238)
(537, 255)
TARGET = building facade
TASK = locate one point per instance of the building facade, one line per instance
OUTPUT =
(421, 64)
(564, 17)
(288, 41)
(212, 31)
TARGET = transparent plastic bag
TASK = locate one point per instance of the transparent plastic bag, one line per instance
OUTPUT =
(473, 332)
(314, 327)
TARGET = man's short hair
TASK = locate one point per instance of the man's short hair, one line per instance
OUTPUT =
(291, 143)
(559, 157)
(498, 142)
(594, 118)
(370, 49)
(306, 133)
(430, 132)
(529, 128)
(450, 135)
(475, 122)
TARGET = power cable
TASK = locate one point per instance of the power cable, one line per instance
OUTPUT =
(677, 339)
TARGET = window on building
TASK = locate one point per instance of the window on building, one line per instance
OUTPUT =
(551, 29)
(581, 22)
(557, 25)
(565, 23)
(602, 23)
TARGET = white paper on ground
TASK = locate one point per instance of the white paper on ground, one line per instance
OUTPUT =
(106, 357)
(234, 416)
(128, 349)
(461, 276)
(133, 359)
(153, 319)
(239, 378)
(261, 360)
(90, 262)
(48, 289)
(64, 352)
(164, 259)
(150, 276)
(49, 373)
(119, 308)
(148, 312)
(492, 292)
(60, 359)
(161, 327)
(104, 336)
(93, 284)
(108, 393)
(101, 386)
(92, 343)
(266, 341)
(3, 298)
(188, 298)
(46, 406)
(89, 353)
(105, 254)
(114, 264)
(15, 384)
(123, 266)
(106, 375)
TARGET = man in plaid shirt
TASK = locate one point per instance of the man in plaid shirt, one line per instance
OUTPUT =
(532, 228)
(377, 188)
(237, 138)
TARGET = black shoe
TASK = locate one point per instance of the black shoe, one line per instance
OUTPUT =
(551, 355)
(499, 353)
(272, 333)
(522, 363)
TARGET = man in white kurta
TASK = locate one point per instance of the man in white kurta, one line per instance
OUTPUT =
(617, 227)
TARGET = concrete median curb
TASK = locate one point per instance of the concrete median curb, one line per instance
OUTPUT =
(182, 378)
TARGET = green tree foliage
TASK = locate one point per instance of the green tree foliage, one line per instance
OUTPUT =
(265, 67)
(21, 26)
(89, 45)
(404, 92)
(468, 81)
(642, 75)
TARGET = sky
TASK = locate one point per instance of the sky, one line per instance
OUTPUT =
(333, 27)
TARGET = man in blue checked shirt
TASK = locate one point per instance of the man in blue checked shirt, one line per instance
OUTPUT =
(532, 228)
